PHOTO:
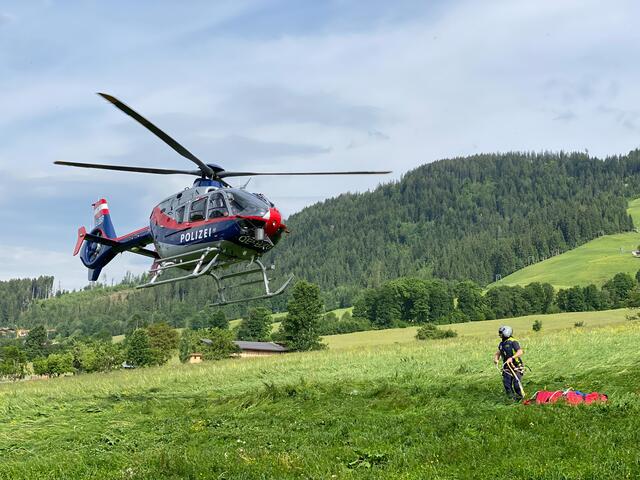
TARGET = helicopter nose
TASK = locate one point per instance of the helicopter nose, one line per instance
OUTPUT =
(274, 222)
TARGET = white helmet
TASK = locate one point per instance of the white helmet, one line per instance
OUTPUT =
(505, 331)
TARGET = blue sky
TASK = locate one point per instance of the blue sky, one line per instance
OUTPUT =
(288, 85)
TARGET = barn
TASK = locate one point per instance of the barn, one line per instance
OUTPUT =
(258, 349)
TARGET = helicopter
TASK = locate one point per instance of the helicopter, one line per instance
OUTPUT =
(203, 230)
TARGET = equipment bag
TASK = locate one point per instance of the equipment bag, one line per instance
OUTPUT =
(572, 397)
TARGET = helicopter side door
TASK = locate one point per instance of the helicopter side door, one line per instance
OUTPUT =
(217, 206)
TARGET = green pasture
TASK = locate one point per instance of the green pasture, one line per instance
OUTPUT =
(410, 410)
(552, 324)
(278, 317)
(594, 262)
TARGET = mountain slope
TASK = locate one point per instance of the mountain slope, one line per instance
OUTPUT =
(464, 218)
(594, 262)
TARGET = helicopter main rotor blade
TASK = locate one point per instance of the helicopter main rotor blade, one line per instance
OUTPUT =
(206, 170)
(121, 168)
(224, 174)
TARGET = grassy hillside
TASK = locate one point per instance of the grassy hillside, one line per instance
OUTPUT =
(551, 324)
(413, 411)
(278, 317)
(458, 219)
(594, 262)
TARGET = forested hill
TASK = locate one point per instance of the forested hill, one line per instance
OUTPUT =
(460, 219)
(463, 218)
(17, 295)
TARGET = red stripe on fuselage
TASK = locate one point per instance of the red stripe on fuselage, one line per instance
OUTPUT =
(130, 234)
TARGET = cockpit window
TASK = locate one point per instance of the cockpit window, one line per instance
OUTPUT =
(245, 203)
(197, 210)
(179, 215)
(217, 207)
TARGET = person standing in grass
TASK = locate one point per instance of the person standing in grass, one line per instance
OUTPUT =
(512, 365)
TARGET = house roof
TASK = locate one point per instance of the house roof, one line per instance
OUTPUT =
(255, 346)
(260, 346)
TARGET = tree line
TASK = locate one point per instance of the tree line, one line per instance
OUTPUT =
(17, 295)
(474, 218)
(155, 343)
(408, 301)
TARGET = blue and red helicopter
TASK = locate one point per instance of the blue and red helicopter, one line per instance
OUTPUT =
(202, 230)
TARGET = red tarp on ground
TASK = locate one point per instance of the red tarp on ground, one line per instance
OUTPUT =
(572, 397)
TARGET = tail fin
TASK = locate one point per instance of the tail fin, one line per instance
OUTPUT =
(102, 218)
(96, 255)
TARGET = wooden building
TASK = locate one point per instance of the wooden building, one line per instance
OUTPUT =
(195, 358)
(259, 349)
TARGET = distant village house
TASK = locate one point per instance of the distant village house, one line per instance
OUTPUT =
(195, 358)
(247, 349)
(259, 349)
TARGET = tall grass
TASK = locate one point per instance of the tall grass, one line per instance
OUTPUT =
(411, 410)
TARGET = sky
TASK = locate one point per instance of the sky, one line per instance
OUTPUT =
(287, 85)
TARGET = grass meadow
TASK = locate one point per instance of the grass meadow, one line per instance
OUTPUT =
(410, 410)
(594, 262)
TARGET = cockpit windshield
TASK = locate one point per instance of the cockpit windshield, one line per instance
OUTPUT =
(245, 203)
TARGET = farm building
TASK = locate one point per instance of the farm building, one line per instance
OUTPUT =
(22, 332)
(7, 332)
(195, 358)
(257, 349)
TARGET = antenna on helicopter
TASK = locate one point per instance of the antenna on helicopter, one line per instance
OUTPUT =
(244, 187)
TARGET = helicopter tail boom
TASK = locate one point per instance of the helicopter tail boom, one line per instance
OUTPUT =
(98, 247)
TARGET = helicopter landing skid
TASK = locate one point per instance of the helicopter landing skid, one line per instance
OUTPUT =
(201, 266)
(263, 279)
(206, 263)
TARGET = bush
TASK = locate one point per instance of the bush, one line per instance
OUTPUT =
(578, 324)
(13, 362)
(330, 324)
(431, 332)
(163, 340)
(633, 315)
(139, 353)
(54, 365)
(537, 326)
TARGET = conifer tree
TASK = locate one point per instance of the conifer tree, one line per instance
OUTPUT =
(257, 326)
(139, 351)
(36, 342)
(300, 328)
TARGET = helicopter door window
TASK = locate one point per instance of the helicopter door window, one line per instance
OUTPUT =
(217, 207)
(197, 210)
(179, 215)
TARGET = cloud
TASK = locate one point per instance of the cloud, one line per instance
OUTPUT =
(627, 118)
(288, 86)
(5, 19)
(565, 116)
(282, 105)
(20, 262)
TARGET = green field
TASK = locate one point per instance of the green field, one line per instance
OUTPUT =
(278, 317)
(553, 323)
(594, 262)
(410, 410)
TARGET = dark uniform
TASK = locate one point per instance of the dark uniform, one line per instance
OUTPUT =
(511, 383)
